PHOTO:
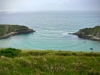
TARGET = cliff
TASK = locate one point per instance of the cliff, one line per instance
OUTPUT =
(9, 30)
(89, 33)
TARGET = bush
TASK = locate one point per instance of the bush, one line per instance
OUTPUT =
(10, 52)
(63, 53)
(91, 54)
(37, 53)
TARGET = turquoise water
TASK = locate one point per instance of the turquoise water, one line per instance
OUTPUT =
(52, 30)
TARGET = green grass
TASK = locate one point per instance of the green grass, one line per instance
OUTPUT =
(50, 62)
(10, 52)
(6, 29)
(2, 30)
(94, 31)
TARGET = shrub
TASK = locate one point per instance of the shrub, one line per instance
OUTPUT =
(63, 53)
(37, 53)
(10, 52)
(91, 54)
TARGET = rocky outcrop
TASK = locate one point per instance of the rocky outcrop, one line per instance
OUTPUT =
(9, 30)
(89, 33)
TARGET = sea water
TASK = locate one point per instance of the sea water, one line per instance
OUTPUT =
(52, 30)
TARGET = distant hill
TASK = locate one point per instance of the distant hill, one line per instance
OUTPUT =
(89, 33)
(8, 30)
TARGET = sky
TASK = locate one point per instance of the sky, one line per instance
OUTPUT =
(48, 5)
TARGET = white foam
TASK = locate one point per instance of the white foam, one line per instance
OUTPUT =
(65, 33)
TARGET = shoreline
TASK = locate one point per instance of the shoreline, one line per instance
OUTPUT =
(89, 51)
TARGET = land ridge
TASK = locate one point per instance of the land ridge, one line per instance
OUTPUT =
(89, 33)
(9, 30)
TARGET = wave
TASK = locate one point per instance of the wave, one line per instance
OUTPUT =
(66, 34)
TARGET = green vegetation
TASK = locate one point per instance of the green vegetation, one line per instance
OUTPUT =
(94, 31)
(10, 52)
(89, 33)
(6, 29)
(2, 30)
(34, 62)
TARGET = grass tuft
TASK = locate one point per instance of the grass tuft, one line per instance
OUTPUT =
(16, 62)
(10, 52)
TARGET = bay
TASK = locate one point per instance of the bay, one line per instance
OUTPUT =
(52, 30)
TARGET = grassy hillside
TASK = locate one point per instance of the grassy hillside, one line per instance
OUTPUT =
(17, 62)
(6, 29)
(2, 30)
(89, 33)
(94, 31)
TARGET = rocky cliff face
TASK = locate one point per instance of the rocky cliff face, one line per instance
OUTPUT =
(9, 30)
(89, 33)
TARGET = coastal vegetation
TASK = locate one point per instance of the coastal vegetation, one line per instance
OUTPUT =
(92, 31)
(9, 30)
(48, 62)
(89, 33)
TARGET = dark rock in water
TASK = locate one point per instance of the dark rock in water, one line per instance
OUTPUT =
(9, 30)
(91, 48)
(89, 33)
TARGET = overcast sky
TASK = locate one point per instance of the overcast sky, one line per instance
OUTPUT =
(41, 5)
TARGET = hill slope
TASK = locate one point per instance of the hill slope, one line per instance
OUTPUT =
(48, 62)
(89, 33)
(8, 30)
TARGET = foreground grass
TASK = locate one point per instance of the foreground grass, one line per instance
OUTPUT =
(50, 63)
